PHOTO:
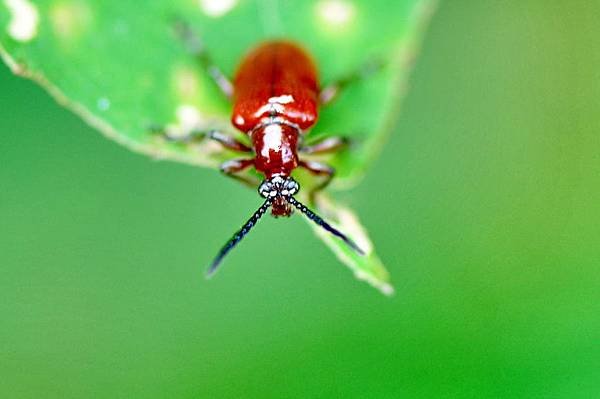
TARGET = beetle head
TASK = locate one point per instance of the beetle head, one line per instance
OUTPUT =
(279, 188)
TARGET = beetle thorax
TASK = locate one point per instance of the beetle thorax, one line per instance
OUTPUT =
(275, 145)
(279, 189)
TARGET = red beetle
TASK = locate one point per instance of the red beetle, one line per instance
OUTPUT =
(276, 97)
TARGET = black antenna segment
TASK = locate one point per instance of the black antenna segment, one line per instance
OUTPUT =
(320, 222)
(237, 237)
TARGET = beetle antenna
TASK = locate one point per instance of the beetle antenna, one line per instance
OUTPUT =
(320, 222)
(237, 237)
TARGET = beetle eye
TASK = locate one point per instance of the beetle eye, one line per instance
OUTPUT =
(290, 187)
(265, 189)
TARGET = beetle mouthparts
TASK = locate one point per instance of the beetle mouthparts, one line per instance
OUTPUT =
(281, 207)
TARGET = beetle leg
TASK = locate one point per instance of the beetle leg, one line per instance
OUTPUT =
(229, 168)
(332, 90)
(228, 141)
(195, 47)
(196, 136)
(320, 169)
(326, 145)
(232, 167)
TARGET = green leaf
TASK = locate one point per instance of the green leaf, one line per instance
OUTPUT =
(368, 267)
(120, 66)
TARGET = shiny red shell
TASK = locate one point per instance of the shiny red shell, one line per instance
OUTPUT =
(275, 98)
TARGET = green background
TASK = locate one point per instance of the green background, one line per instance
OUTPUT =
(485, 206)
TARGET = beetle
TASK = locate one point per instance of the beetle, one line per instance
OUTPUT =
(276, 96)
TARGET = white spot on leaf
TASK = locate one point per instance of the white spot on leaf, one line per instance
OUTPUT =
(103, 104)
(186, 83)
(217, 8)
(24, 20)
(189, 117)
(188, 120)
(70, 19)
(121, 27)
(336, 12)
